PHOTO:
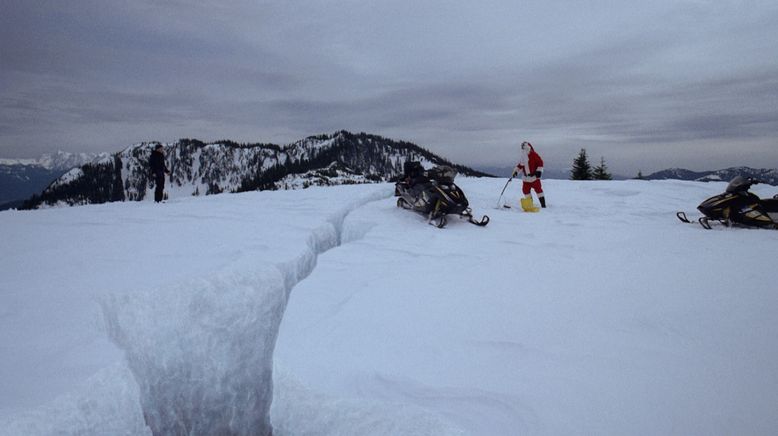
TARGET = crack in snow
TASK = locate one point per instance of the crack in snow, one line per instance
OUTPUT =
(187, 345)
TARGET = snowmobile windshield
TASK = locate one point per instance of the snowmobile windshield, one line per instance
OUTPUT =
(738, 184)
(443, 173)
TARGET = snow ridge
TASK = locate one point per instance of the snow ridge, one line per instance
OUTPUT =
(194, 381)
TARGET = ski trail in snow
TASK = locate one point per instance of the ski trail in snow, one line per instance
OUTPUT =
(201, 351)
(298, 410)
(507, 411)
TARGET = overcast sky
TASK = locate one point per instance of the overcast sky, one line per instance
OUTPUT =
(646, 84)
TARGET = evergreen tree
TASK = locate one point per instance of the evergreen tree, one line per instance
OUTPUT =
(601, 171)
(581, 170)
(640, 175)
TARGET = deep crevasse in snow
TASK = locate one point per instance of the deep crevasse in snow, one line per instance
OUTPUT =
(199, 349)
(188, 345)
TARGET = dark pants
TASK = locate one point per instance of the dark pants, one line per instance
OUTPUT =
(159, 192)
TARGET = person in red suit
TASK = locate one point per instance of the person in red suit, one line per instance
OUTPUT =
(530, 167)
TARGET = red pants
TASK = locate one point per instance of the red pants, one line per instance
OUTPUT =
(526, 186)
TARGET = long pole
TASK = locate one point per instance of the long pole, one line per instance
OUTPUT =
(503, 191)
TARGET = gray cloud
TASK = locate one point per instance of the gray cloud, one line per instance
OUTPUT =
(646, 84)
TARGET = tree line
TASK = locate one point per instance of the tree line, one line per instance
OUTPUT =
(583, 170)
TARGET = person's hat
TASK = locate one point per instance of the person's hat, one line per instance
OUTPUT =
(159, 146)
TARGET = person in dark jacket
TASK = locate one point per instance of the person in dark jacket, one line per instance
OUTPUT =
(158, 171)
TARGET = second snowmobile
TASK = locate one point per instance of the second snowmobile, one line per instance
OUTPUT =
(433, 194)
(737, 206)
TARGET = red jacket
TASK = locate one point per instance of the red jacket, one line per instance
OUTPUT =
(529, 167)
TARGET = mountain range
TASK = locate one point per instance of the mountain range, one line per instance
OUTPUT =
(199, 168)
(768, 176)
(22, 178)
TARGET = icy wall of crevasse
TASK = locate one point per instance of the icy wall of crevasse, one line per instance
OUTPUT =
(107, 404)
(201, 351)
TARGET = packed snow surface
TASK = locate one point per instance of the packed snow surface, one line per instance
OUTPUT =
(602, 314)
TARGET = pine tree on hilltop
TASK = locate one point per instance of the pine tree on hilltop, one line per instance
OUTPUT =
(601, 171)
(581, 170)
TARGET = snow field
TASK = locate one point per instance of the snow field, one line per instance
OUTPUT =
(600, 315)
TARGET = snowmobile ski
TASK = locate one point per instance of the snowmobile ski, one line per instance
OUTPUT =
(438, 222)
(705, 222)
(471, 219)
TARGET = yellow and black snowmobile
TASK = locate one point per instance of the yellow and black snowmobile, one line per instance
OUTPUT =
(433, 194)
(737, 206)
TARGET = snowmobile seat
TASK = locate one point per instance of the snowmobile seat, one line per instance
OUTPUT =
(414, 173)
(412, 169)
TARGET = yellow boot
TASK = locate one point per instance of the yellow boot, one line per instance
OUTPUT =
(528, 206)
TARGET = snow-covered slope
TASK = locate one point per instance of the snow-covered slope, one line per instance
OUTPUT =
(198, 168)
(602, 314)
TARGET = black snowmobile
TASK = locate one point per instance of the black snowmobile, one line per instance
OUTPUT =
(737, 206)
(433, 194)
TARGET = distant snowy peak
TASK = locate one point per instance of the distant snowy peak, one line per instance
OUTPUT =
(677, 173)
(21, 178)
(769, 176)
(58, 161)
(9, 162)
(199, 168)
